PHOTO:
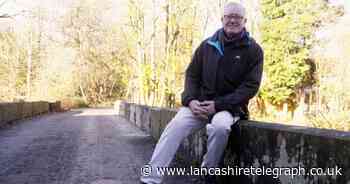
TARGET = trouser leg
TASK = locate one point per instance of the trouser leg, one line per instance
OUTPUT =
(178, 128)
(218, 132)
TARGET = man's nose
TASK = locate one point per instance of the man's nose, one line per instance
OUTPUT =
(233, 21)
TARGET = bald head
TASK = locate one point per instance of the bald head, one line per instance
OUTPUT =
(234, 8)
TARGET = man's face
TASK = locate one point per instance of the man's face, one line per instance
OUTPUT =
(233, 21)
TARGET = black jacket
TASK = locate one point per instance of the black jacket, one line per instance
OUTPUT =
(244, 76)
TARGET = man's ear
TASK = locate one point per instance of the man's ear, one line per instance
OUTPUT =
(222, 19)
(245, 20)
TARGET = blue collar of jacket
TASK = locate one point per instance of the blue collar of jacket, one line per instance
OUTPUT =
(216, 43)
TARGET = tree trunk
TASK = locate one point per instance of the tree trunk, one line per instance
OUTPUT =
(29, 65)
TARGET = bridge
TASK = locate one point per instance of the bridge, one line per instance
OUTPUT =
(109, 146)
(82, 146)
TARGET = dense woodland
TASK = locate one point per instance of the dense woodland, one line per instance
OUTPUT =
(95, 52)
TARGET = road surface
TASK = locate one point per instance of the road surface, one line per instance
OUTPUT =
(84, 146)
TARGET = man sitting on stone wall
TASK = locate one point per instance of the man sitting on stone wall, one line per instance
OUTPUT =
(225, 72)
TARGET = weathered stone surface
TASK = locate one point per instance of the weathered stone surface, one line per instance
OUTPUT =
(200, 144)
(132, 116)
(55, 106)
(270, 145)
(2, 114)
(165, 118)
(10, 112)
(45, 107)
(19, 111)
(118, 107)
(122, 108)
(266, 145)
(146, 120)
(193, 148)
(36, 108)
(27, 110)
(127, 110)
(138, 115)
(155, 122)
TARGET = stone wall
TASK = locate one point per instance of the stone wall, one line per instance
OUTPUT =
(259, 145)
(10, 112)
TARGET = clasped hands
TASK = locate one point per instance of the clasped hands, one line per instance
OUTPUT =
(202, 109)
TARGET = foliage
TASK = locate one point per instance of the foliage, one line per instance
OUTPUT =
(12, 66)
(333, 79)
(336, 120)
(287, 35)
(159, 52)
(98, 62)
(87, 56)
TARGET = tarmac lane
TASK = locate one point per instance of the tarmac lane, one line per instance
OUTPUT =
(83, 146)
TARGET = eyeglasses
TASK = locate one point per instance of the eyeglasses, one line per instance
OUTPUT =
(235, 17)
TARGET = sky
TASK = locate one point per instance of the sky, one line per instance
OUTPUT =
(22, 8)
(113, 14)
(57, 8)
(16, 6)
(346, 4)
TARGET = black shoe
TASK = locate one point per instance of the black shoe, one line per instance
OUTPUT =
(210, 179)
(197, 180)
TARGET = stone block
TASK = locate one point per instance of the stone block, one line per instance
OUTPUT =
(10, 112)
(200, 144)
(44, 107)
(116, 107)
(27, 110)
(282, 146)
(41, 107)
(155, 117)
(36, 108)
(138, 115)
(121, 110)
(55, 106)
(20, 110)
(132, 116)
(127, 110)
(2, 112)
(146, 120)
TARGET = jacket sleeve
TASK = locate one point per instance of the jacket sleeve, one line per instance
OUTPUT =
(248, 87)
(192, 78)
